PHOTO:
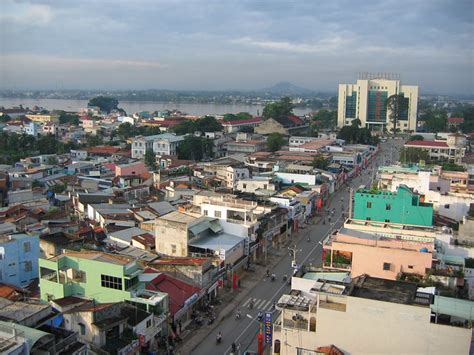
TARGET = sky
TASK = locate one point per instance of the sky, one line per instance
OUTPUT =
(243, 45)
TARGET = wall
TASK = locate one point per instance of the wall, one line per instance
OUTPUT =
(92, 286)
(402, 208)
(254, 184)
(289, 178)
(130, 169)
(370, 259)
(168, 233)
(12, 263)
(375, 327)
(270, 126)
(453, 205)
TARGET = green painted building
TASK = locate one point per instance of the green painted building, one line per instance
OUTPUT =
(403, 206)
(99, 276)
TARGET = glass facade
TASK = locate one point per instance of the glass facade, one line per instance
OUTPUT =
(351, 105)
(404, 110)
(377, 106)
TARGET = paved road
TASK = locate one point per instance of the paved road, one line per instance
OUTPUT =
(244, 331)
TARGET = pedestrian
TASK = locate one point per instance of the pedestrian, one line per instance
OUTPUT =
(180, 325)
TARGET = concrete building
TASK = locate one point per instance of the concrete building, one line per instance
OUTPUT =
(237, 125)
(101, 276)
(161, 144)
(370, 316)
(287, 126)
(367, 101)
(404, 206)
(256, 183)
(19, 255)
(43, 118)
(451, 150)
(378, 255)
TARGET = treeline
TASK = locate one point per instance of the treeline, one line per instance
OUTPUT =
(14, 147)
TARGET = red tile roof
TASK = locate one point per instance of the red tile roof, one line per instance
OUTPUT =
(103, 149)
(455, 120)
(178, 291)
(239, 122)
(427, 144)
(180, 261)
(295, 119)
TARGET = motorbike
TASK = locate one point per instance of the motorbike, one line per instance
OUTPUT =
(260, 316)
(250, 305)
(285, 277)
(237, 316)
(273, 277)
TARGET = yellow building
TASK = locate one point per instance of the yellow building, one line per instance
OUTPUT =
(44, 118)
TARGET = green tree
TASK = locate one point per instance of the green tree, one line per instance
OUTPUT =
(319, 162)
(150, 159)
(93, 140)
(275, 141)
(396, 105)
(453, 167)
(356, 123)
(208, 124)
(185, 127)
(416, 137)
(282, 108)
(413, 155)
(65, 117)
(58, 188)
(435, 120)
(238, 116)
(104, 103)
(468, 114)
(4, 118)
(195, 148)
(229, 117)
(325, 119)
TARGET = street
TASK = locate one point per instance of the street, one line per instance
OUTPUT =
(244, 330)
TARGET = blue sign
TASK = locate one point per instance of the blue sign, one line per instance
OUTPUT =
(268, 328)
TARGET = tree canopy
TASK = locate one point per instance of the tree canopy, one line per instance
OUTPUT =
(325, 119)
(195, 148)
(282, 108)
(468, 114)
(65, 117)
(319, 162)
(396, 105)
(413, 155)
(355, 135)
(150, 159)
(275, 141)
(104, 103)
(237, 116)
(416, 137)
(204, 124)
(435, 120)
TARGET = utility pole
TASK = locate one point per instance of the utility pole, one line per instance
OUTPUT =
(294, 251)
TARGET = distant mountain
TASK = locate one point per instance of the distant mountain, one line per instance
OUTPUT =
(285, 88)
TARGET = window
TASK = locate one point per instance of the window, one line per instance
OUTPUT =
(205, 212)
(28, 266)
(82, 328)
(368, 219)
(264, 186)
(26, 247)
(446, 206)
(148, 323)
(388, 207)
(173, 248)
(217, 214)
(369, 204)
(387, 221)
(410, 266)
(386, 266)
(245, 186)
(111, 282)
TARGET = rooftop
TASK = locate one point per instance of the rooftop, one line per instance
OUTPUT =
(96, 256)
(216, 243)
(384, 290)
(434, 144)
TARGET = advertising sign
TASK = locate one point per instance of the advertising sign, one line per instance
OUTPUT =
(268, 328)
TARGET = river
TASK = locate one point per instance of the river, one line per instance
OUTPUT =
(138, 106)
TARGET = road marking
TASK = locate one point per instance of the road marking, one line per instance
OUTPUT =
(259, 303)
(266, 305)
(247, 302)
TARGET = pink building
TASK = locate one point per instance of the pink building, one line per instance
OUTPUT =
(136, 168)
(378, 255)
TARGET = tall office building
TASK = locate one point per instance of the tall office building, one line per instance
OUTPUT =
(367, 101)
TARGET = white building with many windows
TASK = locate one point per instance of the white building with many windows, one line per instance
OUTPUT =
(367, 101)
(160, 144)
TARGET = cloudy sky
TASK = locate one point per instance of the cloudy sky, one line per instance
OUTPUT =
(219, 44)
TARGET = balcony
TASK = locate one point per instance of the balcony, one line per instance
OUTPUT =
(338, 260)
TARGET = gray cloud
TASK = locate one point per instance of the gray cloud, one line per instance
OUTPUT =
(237, 44)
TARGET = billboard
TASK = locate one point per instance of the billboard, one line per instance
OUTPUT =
(268, 328)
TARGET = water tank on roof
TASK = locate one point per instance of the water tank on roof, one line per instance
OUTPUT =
(424, 250)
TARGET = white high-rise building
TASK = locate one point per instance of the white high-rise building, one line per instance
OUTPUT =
(367, 101)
